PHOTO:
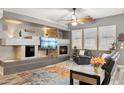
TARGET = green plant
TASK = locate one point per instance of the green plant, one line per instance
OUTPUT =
(113, 47)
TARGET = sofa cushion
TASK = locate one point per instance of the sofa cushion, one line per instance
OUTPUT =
(88, 53)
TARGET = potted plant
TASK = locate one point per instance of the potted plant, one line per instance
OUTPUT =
(113, 47)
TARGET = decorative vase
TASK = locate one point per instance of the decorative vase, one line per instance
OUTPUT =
(96, 69)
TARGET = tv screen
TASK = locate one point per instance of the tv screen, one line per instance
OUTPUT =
(48, 43)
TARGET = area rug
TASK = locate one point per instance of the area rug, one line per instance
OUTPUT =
(57, 74)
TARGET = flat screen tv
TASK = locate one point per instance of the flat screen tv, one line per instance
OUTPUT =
(48, 43)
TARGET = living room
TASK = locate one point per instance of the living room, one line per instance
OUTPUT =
(37, 48)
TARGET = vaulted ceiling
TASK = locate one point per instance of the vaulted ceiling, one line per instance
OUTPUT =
(57, 15)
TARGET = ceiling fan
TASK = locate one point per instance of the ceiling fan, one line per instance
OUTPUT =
(75, 21)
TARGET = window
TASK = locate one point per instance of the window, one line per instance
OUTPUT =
(107, 35)
(90, 38)
(77, 39)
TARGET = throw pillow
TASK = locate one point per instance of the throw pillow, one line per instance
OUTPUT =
(104, 55)
(81, 52)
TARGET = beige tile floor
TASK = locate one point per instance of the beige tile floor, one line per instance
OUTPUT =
(119, 76)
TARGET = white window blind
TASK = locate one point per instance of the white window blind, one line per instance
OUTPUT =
(90, 38)
(107, 35)
(77, 39)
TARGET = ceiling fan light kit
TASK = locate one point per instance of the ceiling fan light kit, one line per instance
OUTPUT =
(74, 23)
(73, 17)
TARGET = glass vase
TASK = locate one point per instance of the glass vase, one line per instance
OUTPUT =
(96, 69)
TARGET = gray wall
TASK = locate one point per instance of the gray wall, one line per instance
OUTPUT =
(117, 20)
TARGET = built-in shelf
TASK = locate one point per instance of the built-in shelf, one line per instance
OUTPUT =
(33, 41)
(63, 41)
(20, 41)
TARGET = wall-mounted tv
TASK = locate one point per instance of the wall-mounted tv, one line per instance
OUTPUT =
(48, 43)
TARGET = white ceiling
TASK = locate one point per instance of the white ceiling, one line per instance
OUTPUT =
(59, 14)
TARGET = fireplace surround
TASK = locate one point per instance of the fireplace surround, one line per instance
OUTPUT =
(63, 50)
(29, 51)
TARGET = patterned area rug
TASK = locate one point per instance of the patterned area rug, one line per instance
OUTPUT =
(57, 74)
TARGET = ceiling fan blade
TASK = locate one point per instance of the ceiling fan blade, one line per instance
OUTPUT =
(86, 19)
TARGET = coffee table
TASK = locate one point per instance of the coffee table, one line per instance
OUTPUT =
(86, 75)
